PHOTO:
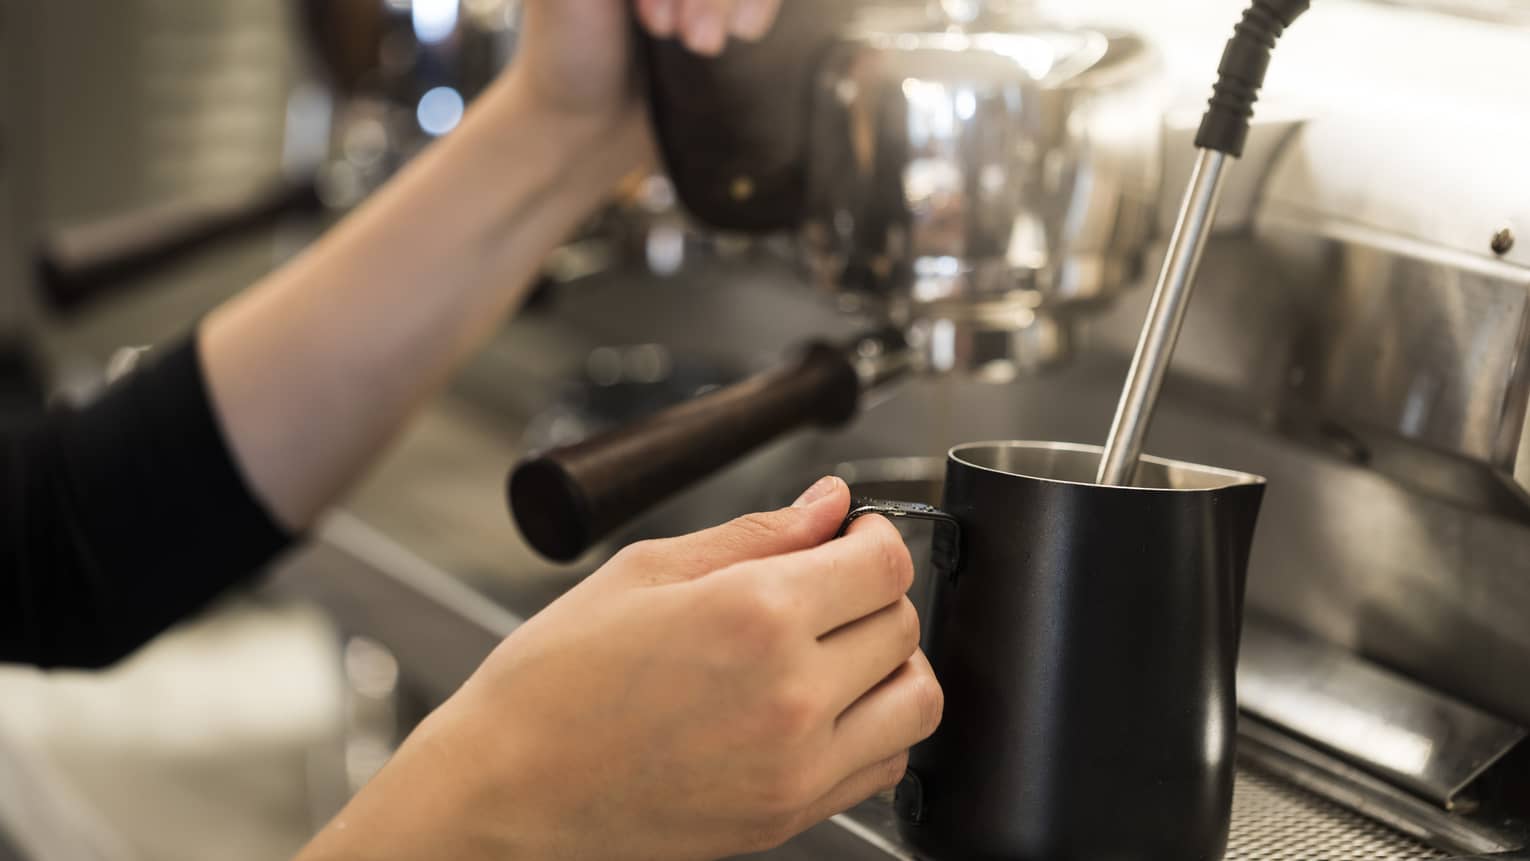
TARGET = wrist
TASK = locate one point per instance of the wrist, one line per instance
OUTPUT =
(432, 801)
(584, 152)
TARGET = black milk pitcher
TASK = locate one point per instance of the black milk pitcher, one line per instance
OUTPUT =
(1086, 637)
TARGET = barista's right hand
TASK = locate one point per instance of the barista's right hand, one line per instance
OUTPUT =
(696, 698)
(705, 25)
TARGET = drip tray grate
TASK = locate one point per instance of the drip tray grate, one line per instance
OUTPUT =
(1275, 821)
(1272, 820)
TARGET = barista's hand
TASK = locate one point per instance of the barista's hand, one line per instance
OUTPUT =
(575, 60)
(696, 698)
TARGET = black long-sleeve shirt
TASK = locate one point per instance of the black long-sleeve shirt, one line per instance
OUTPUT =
(121, 518)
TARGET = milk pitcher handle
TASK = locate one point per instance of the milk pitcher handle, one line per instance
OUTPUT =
(947, 545)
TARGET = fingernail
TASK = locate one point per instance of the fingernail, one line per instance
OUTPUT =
(751, 19)
(705, 33)
(661, 16)
(821, 490)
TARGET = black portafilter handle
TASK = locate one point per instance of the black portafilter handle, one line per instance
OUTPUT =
(568, 499)
(80, 264)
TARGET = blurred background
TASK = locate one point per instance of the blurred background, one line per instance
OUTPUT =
(1384, 199)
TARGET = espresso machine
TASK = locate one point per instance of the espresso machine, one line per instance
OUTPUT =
(1357, 337)
(967, 183)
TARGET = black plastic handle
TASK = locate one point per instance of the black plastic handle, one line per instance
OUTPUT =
(79, 264)
(947, 545)
(568, 499)
(1240, 76)
(733, 130)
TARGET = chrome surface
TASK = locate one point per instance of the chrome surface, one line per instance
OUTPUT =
(1413, 344)
(880, 358)
(1502, 11)
(1076, 464)
(1274, 821)
(1165, 319)
(1312, 771)
(979, 185)
(1399, 730)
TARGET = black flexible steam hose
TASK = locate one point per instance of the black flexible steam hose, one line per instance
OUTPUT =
(1241, 73)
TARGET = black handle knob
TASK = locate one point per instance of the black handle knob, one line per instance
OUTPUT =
(733, 130)
(568, 499)
(80, 264)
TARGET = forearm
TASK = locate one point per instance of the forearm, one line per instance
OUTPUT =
(436, 777)
(314, 369)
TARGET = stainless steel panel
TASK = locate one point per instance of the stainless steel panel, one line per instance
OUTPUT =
(1306, 768)
(1399, 730)
(1425, 345)
(1505, 11)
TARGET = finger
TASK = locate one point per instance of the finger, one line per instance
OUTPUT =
(846, 579)
(896, 715)
(659, 16)
(860, 786)
(815, 518)
(752, 18)
(862, 655)
(704, 25)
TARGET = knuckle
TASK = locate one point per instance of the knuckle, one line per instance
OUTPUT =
(763, 525)
(640, 555)
(892, 772)
(893, 557)
(795, 711)
(764, 615)
(908, 624)
(930, 701)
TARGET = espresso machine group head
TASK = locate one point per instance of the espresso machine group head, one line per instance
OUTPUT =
(980, 183)
(971, 175)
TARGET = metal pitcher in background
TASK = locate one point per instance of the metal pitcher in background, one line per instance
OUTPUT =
(966, 171)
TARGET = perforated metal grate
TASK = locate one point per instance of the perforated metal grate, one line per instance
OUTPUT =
(1274, 821)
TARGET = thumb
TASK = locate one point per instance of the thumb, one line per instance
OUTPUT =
(813, 519)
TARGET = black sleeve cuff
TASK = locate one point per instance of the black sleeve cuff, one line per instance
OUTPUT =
(161, 520)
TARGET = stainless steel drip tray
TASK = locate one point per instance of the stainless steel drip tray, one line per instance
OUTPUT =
(1272, 821)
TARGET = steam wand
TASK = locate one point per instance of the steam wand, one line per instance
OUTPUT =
(1222, 135)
